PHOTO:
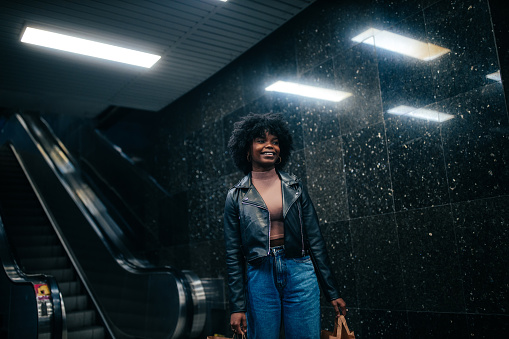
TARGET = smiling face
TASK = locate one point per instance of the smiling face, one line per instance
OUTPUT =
(264, 152)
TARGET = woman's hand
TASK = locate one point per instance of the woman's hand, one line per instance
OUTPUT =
(339, 304)
(238, 322)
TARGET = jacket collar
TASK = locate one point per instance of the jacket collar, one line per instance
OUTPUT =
(286, 178)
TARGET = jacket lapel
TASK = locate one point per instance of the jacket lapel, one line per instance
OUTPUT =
(290, 189)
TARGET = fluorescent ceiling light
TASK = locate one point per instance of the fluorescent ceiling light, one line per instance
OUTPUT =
(420, 113)
(495, 76)
(400, 44)
(308, 91)
(86, 47)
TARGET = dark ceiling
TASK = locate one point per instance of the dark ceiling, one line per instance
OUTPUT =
(196, 38)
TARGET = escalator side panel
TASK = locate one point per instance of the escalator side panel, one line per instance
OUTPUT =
(133, 301)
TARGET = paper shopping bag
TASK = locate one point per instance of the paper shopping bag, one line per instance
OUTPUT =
(341, 330)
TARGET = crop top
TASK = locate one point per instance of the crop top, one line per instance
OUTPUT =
(268, 185)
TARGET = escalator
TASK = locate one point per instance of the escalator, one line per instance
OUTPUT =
(37, 249)
(59, 231)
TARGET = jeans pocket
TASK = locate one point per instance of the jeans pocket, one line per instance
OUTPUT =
(304, 259)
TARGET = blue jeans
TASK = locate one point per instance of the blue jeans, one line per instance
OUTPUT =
(283, 288)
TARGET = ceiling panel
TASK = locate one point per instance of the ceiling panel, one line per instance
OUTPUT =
(196, 38)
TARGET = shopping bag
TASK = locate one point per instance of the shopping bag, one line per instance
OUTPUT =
(341, 330)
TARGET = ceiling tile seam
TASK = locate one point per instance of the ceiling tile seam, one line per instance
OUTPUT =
(168, 50)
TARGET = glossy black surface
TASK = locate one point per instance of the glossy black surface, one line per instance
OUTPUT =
(414, 211)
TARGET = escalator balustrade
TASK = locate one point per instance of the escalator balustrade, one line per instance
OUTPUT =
(37, 248)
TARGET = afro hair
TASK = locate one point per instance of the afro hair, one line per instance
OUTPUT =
(253, 126)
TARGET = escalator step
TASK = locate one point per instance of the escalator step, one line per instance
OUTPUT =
(93, 332)
(32, 228)
(70, 288)
(83, 318)
(44, 263)
(39, 251)
(76, 303)
(66, 274)
(43, 240)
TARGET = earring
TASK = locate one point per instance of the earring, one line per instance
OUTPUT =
(277, 163)
(248, 158)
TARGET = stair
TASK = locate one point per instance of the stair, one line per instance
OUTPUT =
(37, 248)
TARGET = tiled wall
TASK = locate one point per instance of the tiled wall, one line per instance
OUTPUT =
(415, 211)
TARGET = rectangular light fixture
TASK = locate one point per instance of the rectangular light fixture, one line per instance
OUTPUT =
(401, 44)
(495, 76)
(420, 113)
(87, 47)
(308, 91)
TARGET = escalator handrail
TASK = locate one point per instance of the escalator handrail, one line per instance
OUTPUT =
(17, 276)
(69, 176)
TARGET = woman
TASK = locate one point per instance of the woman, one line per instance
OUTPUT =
(275, 252)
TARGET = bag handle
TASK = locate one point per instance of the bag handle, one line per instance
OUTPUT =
(340, 328)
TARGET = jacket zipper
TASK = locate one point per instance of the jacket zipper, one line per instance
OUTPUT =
(266, 209)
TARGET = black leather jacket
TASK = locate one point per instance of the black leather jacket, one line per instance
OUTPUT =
(246, 233)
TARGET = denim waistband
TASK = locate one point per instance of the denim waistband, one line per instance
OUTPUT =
(277, 250)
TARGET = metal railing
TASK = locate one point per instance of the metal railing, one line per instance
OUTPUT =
(33, 302)
(134, 298)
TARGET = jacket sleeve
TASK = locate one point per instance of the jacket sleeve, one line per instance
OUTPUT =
(318, 250)
(234, 256)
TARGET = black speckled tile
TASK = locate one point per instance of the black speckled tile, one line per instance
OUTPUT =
(482, 230)
(381, 324)
(320, 119)
(488, 326)
(350, 18)
(265, 64)
(395, 11)
(367, 172)
(326, 180)
(297, 166)
(378, 270)
(417, 163)
(405, 80)
(476, 144)
(430, 260)
(261, 105)
(312, 36)
(222, 96)
(205, 153)
(437, 325)
(289, 108)
(255, 75)
(228, 123)
(356, 72)
(208, 259)
(339, 246)
(170, 166)
(320, 122)
(464, 27)
(205, 210)
(175, 228)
